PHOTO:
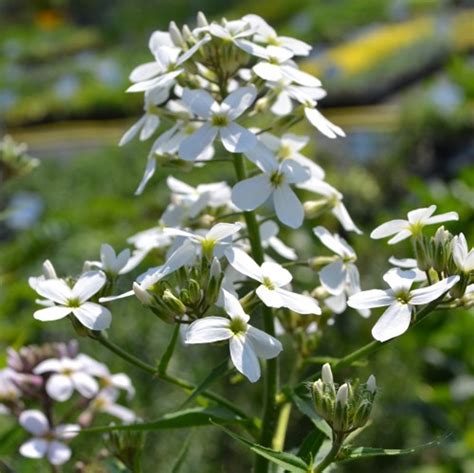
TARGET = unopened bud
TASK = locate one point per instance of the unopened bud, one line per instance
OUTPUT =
(195, 292)
(187, 34)
(142, 294)
(371, 384)
(216, 268)
(174, 305)
(362, 413)
(201, 20)
(326, 374)
(422, 254)
(342, 395)
(175, 34)
(48, 270)
(314, 208)
(340, 409)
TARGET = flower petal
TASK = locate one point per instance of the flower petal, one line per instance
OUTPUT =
(89, 284)
(54, 312)
(34, 448)
(233, 308)
(243, 263)
(433, 292)
(288, 208)
(389, 228)
(252, 192)
(223, 230)
(58, 453)
(393, 322)
(370, 299)
(237, 139)
(446, 217)
(93, 316)
(265, 345)
(244, 357)
(208, 330)
(240, 100)
(333, 277)
(318, 120)
(85, 384)
(199, 102)
(300, 77)
(276, 273)
(298, 303)
(34, 421)
(54, 289)
(59, 387)
(193, 145)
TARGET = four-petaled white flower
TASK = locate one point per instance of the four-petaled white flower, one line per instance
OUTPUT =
(75, 300)
(462, 256)
(417, 219)
(275, 182)
(400, 301)
(342, 272)
(220, 120)
(246, 343)
(67, 375)
(273, 278)
(46, 442)
(111, 263)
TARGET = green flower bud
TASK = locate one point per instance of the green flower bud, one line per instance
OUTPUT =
(174, 305)
(362, 413)
(175, 35)
(195, 292)
(315, 208)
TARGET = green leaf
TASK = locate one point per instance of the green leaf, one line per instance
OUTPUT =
(290, 462)
(305, 407)
(311, 445)
(215, 374)
(196, 417)
(10, 439)
(165, 359)
(355, 453)
(182, 454)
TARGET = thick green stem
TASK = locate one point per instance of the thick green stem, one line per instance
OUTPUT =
(270, 407)
(332, 454)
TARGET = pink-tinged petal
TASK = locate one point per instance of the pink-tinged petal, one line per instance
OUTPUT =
(233, 308)
(393, 322)
(59, 387)
(333, 277)
(240, 100)
(288, 207)
(193, 145)
(34, 421)
(428, 294)
(265, 345)
(446, 217)
(389, 229)
(55, 312)
(85, 384)
(244, 357)
(371, 299)
(251, 193)
(58, 453)
(199, 102)
(34, 448)
(318, 120)
(298, 303)
(93, 316)
(208, 330)
(89, 284)
(243, 263)
(237, 139)
(55, 290)
(276, 273)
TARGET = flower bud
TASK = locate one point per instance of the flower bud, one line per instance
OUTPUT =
(175, 35)
(371, 385)
(340, 419)
(423, 256)
(174, 305)
(342, 395)
(187, 34)
(48, 270)
(314, 208)
(362, 413)
(195, 292)
(201, 20)
(216, 268)
(326, 374)
(142, 294)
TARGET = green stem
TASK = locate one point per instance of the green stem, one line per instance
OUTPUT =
(332, 454)
(164, 376)
(270, 407)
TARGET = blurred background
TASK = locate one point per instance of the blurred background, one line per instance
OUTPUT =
(400, 81)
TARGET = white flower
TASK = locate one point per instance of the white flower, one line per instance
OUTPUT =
(48, 273)
(268, 234)
(462, 256)
(105, 402)
(162, 72)
(400, 301)
(246, 343)
(232, 31)
(273, 278)
(334, 199)
(220, 120)
(46, 442)
(75, 301)
(342, 272)
(69, 374)
(111, 263)
(275, 182)
(267, 35)
(417, 219)
(319, 121)
(289, 146)
(411, 264)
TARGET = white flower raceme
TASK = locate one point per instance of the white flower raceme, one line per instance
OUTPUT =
(333, 198)
(75, 301)
(335, 275)
(273, 279)
(416, 220)
(462, 256)
(275, 182)
(47, 442)
(220, 120)
(400, 300)
(111, 263)
(246, 343)
(67, 375)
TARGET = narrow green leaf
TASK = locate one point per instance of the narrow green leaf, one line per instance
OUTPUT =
(355, 453)
(215, 374)
(165, 359)
(182, 454)
(305, 407)
(196, 417)
(290, 462)
(9, 440)
(311, 445)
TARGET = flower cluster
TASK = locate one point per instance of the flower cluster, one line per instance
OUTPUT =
(14, 159)
(39, 379)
